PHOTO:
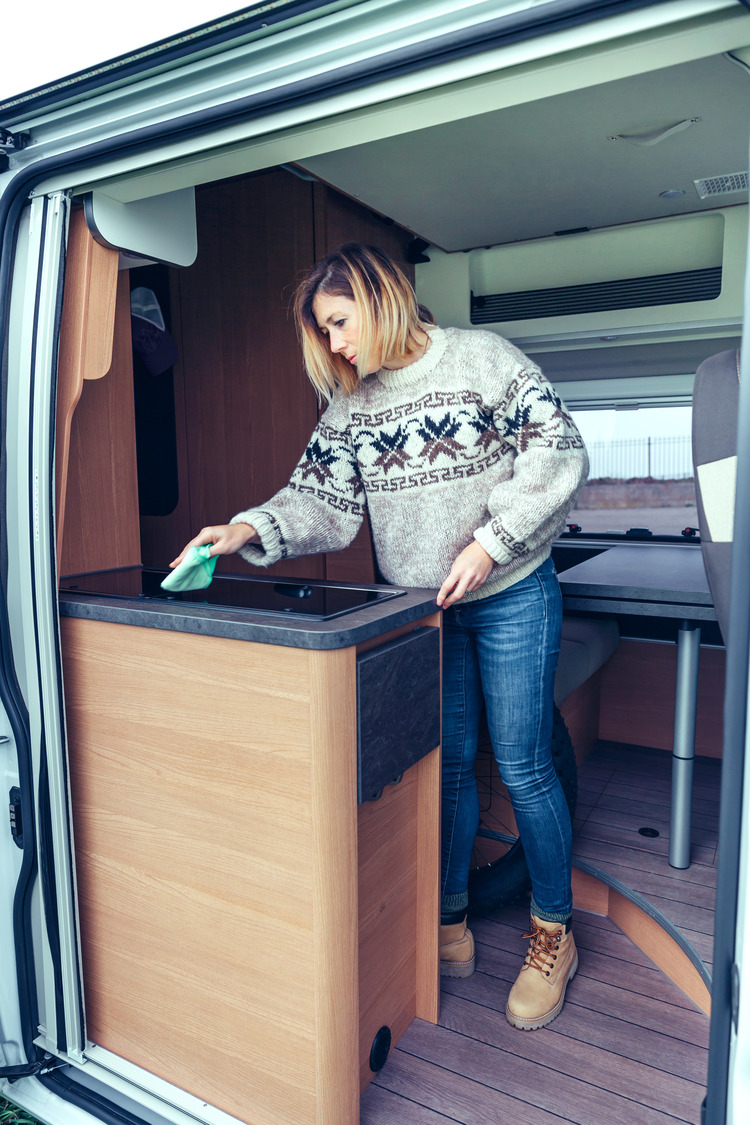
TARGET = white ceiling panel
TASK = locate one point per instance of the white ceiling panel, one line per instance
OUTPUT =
(517, 173)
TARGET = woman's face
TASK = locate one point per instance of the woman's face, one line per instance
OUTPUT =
(338, 319)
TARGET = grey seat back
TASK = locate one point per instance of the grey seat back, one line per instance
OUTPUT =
(715, 404)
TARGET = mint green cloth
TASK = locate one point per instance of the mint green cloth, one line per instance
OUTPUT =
(194, 572)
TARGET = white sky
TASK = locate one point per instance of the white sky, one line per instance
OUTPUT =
(608, 425)
(53, 40)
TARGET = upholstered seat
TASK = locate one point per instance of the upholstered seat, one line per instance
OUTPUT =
(587, 644)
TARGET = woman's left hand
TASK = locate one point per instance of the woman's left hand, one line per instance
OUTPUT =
(470, 571)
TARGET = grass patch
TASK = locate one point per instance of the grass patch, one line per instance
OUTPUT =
(11, 1115)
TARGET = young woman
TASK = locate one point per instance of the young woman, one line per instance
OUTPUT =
(467, 464)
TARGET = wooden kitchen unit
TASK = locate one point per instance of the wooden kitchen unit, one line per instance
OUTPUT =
(247, 929)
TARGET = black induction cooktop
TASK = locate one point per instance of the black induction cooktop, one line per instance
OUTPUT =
(314, 600)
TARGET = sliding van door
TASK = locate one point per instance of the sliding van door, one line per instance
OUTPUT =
(44, 918)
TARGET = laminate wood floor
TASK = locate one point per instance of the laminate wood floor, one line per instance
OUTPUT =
(622, 789)
(629, 1048)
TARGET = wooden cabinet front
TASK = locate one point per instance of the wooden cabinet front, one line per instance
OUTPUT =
(245, 929)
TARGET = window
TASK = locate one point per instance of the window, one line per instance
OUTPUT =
(641, 472)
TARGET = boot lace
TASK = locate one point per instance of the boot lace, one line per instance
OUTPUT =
(542, 948)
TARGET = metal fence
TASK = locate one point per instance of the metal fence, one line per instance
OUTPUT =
(660, 458)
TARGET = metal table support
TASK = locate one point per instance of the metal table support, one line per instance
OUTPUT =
(656, 581)
(683, 746)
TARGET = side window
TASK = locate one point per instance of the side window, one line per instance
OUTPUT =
(641, 472)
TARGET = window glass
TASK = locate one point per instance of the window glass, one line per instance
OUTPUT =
(641, 470)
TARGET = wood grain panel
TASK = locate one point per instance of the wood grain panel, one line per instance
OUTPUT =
(428, 887)
(333, 848)
(339, 219)
(86, 334)
(196, 895)
(249, 407)
(399, 875)
(245, 928)
(422, 866)
(387, 914)
(101, 527)
(638, 691)
(581, 714)
(244, 406)
(649, 936)
(593, 895)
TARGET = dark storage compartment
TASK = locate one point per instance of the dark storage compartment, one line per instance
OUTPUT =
(398, 709)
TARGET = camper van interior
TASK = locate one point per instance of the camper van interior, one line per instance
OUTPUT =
(589, 204)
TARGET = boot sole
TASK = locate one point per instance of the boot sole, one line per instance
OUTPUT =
(542, 1021)
(457, 968)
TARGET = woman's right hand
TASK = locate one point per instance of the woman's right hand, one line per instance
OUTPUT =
(225, 539)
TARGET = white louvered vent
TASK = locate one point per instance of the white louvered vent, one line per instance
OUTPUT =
(721, 185)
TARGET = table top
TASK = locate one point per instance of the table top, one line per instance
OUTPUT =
(662, 580)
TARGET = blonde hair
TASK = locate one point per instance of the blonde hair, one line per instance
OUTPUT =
(390, 317)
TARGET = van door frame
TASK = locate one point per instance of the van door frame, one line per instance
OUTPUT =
(730, 922)
(52, 212)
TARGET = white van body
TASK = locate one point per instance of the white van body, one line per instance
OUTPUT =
(416, 110)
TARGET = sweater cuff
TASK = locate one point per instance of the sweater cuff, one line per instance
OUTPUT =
(271, 549)
(495, 550)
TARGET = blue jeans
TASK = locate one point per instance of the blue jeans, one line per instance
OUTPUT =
(502, 650)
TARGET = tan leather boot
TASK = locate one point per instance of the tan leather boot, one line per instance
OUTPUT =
(456, 950)
(538, 994)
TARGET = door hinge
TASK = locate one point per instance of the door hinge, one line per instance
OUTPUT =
(735, 995)
(11, 143)
(16, 824)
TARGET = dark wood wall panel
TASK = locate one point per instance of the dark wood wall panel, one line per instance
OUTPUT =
(248, 408)
(243, 404)
(637, 700)
(339, 219)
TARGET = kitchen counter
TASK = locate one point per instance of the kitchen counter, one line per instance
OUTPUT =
(288, 630)
(256, 801)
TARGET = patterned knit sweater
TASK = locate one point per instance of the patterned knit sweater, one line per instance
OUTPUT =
(469, 441)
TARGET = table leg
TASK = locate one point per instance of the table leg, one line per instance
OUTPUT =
(683, 747)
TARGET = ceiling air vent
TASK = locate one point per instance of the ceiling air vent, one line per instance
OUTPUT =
(721, 185)
(601, 296)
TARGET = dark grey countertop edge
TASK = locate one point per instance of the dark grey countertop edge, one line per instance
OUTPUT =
(634, 592)
(340, 632)
(602, 605)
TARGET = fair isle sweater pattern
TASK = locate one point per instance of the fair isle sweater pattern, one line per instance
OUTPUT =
(470, 441)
